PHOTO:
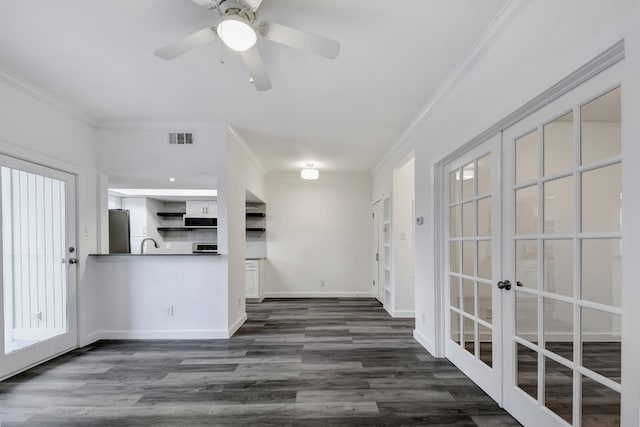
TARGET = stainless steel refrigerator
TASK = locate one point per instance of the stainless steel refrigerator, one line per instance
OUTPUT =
(119, 232)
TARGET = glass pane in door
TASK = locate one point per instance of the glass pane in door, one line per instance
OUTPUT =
(34, 273)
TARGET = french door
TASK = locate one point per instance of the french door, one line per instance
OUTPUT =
(534, 261)
(474, 314)
(38, 264)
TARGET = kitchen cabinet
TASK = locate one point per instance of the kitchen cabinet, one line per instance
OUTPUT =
(254, 277)
(202, 208)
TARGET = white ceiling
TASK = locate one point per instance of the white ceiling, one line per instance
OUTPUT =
(344, 114)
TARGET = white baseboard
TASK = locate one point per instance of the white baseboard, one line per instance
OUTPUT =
(404, 314)
(236, 326)
(159, 335)
(423, 341)
(318, 295)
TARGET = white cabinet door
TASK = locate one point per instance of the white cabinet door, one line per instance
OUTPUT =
(137, 207)
(202, 208)
(252, 278)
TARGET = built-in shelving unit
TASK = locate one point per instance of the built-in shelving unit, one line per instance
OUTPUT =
(255, 221)
(387, 251)
(170, 214)
(187, 228)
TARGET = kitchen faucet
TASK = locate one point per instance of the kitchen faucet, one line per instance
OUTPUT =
(144, 240)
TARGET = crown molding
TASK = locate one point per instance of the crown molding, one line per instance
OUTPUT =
(236, 135)
(40, 94)
(500, 23)
(160, 125)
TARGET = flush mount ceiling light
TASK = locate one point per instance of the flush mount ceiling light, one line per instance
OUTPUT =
(237, 33)
(309, 172)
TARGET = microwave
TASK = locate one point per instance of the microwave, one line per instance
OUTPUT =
(200, 221)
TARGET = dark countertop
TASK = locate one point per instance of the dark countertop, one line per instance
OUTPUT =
(145, 255)
(253, 258)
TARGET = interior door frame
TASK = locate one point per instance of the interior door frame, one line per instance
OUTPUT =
(25, 358)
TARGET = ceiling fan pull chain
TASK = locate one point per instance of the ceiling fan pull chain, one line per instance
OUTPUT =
(221, 52)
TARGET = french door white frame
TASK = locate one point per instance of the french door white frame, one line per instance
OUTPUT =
(26, 357)
(602, 73)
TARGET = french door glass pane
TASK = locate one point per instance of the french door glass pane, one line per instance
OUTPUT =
(602, 199)
(454, 292)
(527, 157)
(468, 303)
(601, 264)
(527, 316)
(455, 326)
(454, 187)
(454, 257)
(468, 220)
(559, 216)
(468, 181)
(527, 263)
(484, 175)
(558, 267)
(486, 344)
(600, 405)
(484, 259)
(600, 128)
(527, 370)
(601, 342)
(558, 145)
(527, 210)
(558, 327)
(558, 389)
(484, 217)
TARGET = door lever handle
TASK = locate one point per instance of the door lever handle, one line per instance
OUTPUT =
(73, 260)
(504, 284)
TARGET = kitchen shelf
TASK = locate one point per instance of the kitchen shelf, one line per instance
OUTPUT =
(186, 228)
(259, 229)
(171, 214)
(256, 214)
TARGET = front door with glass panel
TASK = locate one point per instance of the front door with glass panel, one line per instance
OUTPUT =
(562, 253)
(473, 321)
(38, 264)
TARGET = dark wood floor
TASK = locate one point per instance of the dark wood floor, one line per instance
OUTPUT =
(295, 362)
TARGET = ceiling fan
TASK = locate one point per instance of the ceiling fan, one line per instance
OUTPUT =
(238, 29)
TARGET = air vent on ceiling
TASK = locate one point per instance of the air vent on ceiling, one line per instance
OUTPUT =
(181, 138)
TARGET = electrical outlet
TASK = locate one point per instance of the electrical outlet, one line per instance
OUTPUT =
(423, 318)
(239, 302)
(167, 245)
(170, 311)
(322, 283)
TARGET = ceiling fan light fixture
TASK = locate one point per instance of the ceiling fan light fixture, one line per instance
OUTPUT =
(310, 172)
(237, 33)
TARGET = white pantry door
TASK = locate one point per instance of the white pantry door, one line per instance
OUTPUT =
(38, 261)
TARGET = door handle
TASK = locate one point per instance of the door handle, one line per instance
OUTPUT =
(504, 284)
(73, 260)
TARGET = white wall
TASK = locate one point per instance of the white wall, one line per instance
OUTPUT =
(131, 296)
(34, 128)
(402, 240)
(319, 231)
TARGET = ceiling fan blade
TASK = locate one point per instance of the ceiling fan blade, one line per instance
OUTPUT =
(300, 39)
(253, 4)
(179, 47)
(254, 64)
